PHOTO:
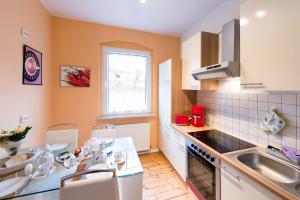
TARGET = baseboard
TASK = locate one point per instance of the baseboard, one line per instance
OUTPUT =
(148, 151)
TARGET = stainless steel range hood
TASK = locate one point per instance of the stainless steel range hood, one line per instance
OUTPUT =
(230, 66)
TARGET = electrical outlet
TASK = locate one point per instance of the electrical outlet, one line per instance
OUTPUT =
(24, 119)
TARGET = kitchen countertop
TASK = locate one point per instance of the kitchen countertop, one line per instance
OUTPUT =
(259, 179)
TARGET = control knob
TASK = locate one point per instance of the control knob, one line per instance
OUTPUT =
(195, 147)
(212, 159)
(200, 150)
(207, 156)
(192, 145)
(203, 153)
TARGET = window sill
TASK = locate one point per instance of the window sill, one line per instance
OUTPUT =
(148, 115)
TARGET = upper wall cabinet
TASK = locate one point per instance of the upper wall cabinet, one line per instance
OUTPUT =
(270, 44)
(198, 51)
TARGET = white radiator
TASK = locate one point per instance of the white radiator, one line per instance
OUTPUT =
(140, 134)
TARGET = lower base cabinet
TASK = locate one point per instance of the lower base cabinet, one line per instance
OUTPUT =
(236, 186)
(172, 144)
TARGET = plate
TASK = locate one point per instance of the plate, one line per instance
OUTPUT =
(12, 185)
(18, 159)
(58, 146)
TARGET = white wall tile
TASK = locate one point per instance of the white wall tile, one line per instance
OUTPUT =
(292, 120)
(253, 139)
(253, 122)
(228, 102)
(253, 114)
(252, 96)
(262, 142)
(252, 131)
(263, 106)
(243, 96)
(276, 106)
(261, 115)
(289, 99)
(235, 103)
(253, 105)
(289, 109)
(290, 132)
(298, 111)
(275, 138)
(243, 103)
(262, 134)
(236, 95)
(298, 99)
(274, 98)
(244, 112)
(264, 97)
(290, 142)
(244, 128)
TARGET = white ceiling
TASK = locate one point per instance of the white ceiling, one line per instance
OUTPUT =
(171, 17)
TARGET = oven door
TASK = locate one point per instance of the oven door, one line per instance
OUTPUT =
(201, 176)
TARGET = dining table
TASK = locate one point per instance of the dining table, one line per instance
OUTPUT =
(129, 173)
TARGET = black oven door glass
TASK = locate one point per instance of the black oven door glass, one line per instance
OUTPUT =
(202, 175)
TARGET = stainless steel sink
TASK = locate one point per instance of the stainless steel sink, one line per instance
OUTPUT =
(270, 168)
(279, 172)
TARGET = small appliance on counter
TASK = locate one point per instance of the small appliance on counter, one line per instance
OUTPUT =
(182, 120)
(198, 116)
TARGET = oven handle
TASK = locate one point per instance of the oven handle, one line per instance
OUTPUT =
(237, 178)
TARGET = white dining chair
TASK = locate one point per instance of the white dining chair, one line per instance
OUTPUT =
(104, 187)
(104, 131)
(62, 133)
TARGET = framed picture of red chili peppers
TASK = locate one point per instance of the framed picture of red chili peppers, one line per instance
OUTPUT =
(32, 66)
(74, 76)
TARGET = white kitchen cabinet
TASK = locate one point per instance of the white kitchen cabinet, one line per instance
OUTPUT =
(270, 44)
(236, 186)
(171, 142)
(179, 154)
(197, 51)
(191, 59)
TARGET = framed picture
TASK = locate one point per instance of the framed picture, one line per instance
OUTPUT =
(32, 66)
(72, 76)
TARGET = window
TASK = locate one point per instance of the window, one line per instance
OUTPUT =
(126, 82)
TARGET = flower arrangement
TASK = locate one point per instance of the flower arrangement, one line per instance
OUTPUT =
(12, 140)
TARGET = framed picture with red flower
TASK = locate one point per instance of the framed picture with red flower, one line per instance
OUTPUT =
(74, 76)
(32, 66)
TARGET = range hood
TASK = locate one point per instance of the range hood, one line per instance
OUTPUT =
(230, 66)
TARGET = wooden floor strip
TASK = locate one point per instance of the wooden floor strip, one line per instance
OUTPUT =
(161, 182)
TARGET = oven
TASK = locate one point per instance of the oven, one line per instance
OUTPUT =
(203, 176)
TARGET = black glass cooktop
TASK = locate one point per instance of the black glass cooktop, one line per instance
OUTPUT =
(221, 142)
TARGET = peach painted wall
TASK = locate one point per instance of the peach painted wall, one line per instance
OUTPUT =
(79, 43)
(17, 99)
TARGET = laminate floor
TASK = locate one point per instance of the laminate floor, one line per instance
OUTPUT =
(161, 182)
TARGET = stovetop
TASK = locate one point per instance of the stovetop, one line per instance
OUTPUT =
(220, 141)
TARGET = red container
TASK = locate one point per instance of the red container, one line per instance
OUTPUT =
(182, 120)
(198, 115)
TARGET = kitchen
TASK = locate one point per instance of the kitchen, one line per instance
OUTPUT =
(213, 113)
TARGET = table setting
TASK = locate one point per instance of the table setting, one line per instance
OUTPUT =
(28, 170)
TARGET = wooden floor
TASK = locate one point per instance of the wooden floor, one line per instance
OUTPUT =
(161, 182)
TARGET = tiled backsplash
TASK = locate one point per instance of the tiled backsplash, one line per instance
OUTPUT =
(240, 114)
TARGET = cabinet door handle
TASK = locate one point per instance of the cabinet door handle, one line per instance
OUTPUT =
(252, 85)
(237, 178)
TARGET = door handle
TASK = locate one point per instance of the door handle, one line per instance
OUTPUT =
(237, 178)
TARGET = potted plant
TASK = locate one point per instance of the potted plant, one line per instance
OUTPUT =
(12, 140)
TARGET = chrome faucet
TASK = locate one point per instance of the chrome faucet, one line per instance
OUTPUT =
(283, 155)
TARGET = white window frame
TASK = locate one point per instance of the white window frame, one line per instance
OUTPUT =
(105, 51)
